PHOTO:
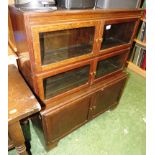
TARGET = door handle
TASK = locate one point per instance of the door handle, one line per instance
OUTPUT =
(90, 108)
(94, 107)
(95, 73)
(101, 39)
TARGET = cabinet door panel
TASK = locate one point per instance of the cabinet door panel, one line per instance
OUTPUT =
(63, 120)
(111, 64)
(66, 81)
(64, 43)
(117, 33)
(107, 97)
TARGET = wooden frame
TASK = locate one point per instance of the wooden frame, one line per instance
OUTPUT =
(92, 80)
(57, 110)
(99, 32)
(29, 24)
(116, 21)
(102, 91)
(126, 51)
(42, 76)
(56, 27)
(47, 112)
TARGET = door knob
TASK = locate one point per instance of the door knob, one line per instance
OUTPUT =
(101, 39)
(91, 109)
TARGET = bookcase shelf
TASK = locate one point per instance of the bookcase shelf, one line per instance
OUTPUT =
(136, 69)
(137, 59)
(140, 43)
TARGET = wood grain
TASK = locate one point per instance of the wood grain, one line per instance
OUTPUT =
(21, 101)
(82, 102)
(33, 23)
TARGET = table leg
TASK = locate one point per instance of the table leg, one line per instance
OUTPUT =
(17, 137)
(25, 124)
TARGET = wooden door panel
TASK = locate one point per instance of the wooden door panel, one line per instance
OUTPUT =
(107, 97)
(63, 120)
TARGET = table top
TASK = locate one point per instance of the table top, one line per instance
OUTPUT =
(21, 101)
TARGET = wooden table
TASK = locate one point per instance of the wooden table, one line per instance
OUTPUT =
(21, 104)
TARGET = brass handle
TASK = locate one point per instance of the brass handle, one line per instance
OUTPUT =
(101, 39)
(94, 73)
(97, 40)
(91, 108)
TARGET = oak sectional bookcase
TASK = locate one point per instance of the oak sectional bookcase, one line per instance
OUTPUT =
(74, 62)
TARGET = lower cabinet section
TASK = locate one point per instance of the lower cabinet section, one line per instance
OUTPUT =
(63, 120)
(56, 122)
(106, 97)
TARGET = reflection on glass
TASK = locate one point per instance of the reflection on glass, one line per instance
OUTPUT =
(64, 44)
(63, 82)
(110, 65)
(117, 34)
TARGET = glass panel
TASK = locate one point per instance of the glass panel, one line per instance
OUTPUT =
(110, 65)
(117, 34)
(63, 82)
(64, 44)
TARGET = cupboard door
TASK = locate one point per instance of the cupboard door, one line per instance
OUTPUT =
(63, 120)
(107, 97)
(111, 64)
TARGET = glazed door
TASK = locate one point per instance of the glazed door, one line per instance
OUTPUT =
(64, 81)
(106, 97)
(109, 64)
(63, 120)
(117, 32)
(64, 43)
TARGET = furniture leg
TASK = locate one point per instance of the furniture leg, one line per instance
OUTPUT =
(51, 146)
(25, 125)
(17, 137)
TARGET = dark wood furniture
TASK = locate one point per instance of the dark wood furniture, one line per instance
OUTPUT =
(21, 104)
(74, 62)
